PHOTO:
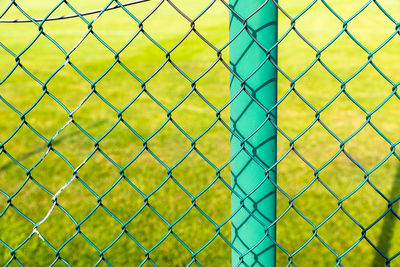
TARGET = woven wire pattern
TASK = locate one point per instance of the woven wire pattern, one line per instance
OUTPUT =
(15, 252)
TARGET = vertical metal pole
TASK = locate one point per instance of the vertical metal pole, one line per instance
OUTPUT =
(257, 211)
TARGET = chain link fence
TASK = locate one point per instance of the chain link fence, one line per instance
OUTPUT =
(115, 133)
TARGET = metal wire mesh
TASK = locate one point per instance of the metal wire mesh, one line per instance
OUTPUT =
(192, 216)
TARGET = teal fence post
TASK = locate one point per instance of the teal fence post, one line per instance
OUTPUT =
(253, 142)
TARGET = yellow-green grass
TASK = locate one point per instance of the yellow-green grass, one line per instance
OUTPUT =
(193, 56)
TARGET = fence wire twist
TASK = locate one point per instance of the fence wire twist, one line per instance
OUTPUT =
(13, 251)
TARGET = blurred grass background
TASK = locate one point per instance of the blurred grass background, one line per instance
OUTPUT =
(193, 56)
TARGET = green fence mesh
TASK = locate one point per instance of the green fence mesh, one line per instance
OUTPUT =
(114, 133)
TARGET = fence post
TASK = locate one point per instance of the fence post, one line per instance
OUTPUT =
(252, 215)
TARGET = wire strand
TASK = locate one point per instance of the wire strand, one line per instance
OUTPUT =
(71, 15)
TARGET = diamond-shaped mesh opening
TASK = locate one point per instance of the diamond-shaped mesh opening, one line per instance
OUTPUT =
(8, 167)
(303, 258)
(101, 180)
(119, 135)
(100, 221)
(378, 88)
(124, 245)
(146, 173)
(316, 18)
(70, 88)
(143, 65)
(11, 116)
(145, 116)
(216, 12)
(387, 56)
(207, 202)
(376, 205)
(215, 251)
(218, 154)
(163, 253)
(386, 124)
(16, 42)
(297, 229)
(213, 85)
(104, 119)
(52, 172)
(298, 177)
(318, 78)
(360, 27)
(299, 109)
(193, 48)
(308, 54)
(367, 159)
(147, 228)
(79, 207)
(186, 170)
(15, 229)
(51, 112)
(335, 239)
(344, 47)
(387, 186)
(364, 252)
(317, 155)
(353, 117)
(25, 147)
(341, 176)
(128, 87)
(16, 86)
(162, 86)
(123, 200)
(73, 145)
(48, 231)
(386, 230)
(87, 48)
(35, 251)
(9, 63)
(24, 201)
(172, 35)
(188, 230)
(316, 212)
(194, 107)
(39, 65)
(66, 33)
(164, 149)
(161, 202)
(115, 28)
(77, 250)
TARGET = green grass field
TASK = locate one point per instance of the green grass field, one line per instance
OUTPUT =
(169, 87)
